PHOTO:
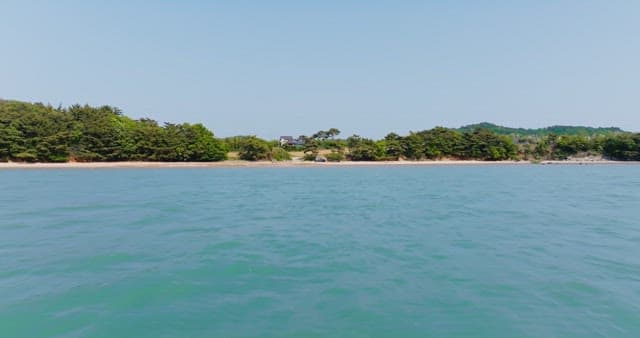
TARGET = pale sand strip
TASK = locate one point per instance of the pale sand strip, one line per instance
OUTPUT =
(284, 164)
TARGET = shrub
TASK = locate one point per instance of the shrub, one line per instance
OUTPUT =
(279, 154)
(335, 157)
(26, 157)
(254, 149)
(363, 152)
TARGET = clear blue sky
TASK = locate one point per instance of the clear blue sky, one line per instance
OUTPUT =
(291, 67)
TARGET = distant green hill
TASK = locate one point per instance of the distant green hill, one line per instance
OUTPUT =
(558, 130)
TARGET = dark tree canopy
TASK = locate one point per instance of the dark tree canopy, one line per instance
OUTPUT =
(624, 147)
(36, 132)
(254, 149)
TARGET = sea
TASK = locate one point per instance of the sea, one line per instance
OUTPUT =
(388, 251)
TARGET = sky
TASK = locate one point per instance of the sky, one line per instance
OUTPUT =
(272, 68)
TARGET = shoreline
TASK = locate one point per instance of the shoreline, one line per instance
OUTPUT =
(292, 164)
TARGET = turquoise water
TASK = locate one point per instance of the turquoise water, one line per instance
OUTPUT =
(499, 251)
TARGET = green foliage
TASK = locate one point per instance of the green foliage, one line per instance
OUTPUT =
(362, 149)
(323, 139)
(556, 147)
(186, 142)
(544, 149)
(557, 130)
(254, 149)
(364, 152)
(326, 134)
(485, 145)
(625, 147)
(442, 142)
(391, 149)
(310, 146)
(40, 133)
(571, 145)
(279, 154)
(413, 146)
(335, 156)
(35, 132)
(235, 143)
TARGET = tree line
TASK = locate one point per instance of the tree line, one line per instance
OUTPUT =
(41, 133)
(436, 143)
(553, 130)
(475, 144)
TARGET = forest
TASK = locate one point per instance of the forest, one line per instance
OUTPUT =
(41, 133)
(555, 130)
(35, 132)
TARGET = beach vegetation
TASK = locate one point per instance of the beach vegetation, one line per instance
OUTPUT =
(254, 149)
(279, 154)
(35, 132)
(335, 156)
(624, 147)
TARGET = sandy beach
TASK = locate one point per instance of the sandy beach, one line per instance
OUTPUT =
(290, 164)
